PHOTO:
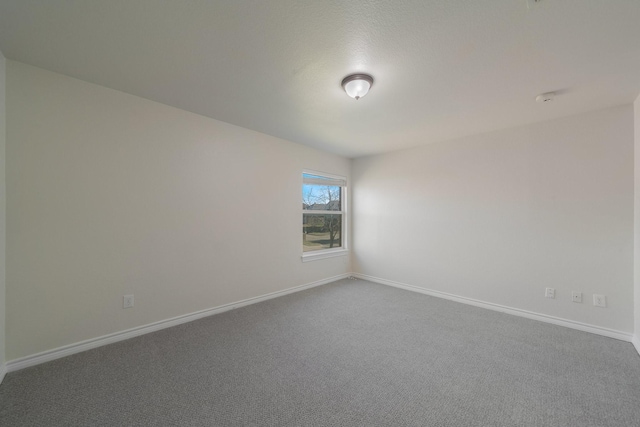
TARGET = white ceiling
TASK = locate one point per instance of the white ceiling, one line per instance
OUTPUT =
(442, 68)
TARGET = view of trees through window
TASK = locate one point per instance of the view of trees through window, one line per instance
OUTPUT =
(322, 217)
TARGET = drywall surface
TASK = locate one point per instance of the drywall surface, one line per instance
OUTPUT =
(500, 216)
(636, 257)
(110, 194)
(3, 209)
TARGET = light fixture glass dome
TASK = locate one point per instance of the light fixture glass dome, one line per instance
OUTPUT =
(357, 85)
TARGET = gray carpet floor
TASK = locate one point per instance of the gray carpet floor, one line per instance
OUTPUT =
(350, 353)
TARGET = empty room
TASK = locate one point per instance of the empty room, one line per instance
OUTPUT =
(320, 213)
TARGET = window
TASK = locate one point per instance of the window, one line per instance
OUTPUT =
(323, 215)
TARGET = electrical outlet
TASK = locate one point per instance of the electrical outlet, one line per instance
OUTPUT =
(550, 293)
(576, 296)
(127, 301)
(599, 300)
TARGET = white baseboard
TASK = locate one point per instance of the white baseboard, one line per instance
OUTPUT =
(46, 356)
(636, 342)
(3, 372)
(611, 333)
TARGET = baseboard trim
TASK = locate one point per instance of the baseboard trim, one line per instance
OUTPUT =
(67, 350)
(611, 333)
(636, 343)
(3, 372)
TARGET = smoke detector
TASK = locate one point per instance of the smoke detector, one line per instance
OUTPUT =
(545, 97)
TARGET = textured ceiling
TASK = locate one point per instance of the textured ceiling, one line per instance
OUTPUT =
(442, 68)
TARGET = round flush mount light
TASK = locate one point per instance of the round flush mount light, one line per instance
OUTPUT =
(357, 85)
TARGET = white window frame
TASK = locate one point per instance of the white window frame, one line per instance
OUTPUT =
(333, 252)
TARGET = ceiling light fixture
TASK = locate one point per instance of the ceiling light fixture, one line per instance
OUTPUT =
(357, 85)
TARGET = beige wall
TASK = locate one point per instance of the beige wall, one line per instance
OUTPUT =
(636, 260)
(2, 211)
(110, 194)
(500, 216)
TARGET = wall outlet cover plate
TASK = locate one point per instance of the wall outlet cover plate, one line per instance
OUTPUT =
(127, 301)
(576, 296)
(599, 300)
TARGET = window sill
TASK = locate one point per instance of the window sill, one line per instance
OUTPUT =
(324, 254)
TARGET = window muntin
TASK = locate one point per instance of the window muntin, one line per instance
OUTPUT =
(323, 213)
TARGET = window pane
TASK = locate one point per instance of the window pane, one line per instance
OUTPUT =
(321, 197)
(321, 232)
